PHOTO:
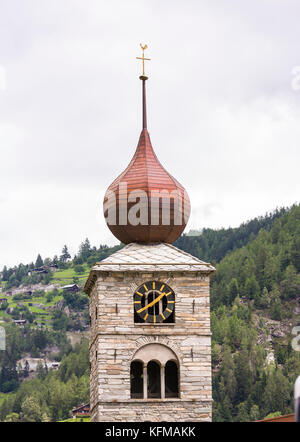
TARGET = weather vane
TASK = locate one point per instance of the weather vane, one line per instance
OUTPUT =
(143, 77)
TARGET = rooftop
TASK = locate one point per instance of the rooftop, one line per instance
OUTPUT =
(149, 258)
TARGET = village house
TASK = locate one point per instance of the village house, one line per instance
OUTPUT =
(81, 411)
(72, 288)
(42, 269)
(33, 364)
(20, 322)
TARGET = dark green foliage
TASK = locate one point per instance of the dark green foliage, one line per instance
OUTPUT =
(262, 265)
(76, 301)
(3, 305)
(18, 342)
(60, 320)
(257, 280)
(213, 245)
(5, 274)
(39, 262)
(65, 255)
(51, 395)
(244, 386)
(79, 268)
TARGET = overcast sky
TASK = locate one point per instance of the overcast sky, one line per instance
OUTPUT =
(222, 113)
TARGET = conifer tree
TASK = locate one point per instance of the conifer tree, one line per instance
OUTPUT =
(39, 262)
(65, 255)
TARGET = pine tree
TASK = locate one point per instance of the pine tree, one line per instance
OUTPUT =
(65, 255)
(26, 369)
(252, 288)
(85, 249)
(31, 410)
(243, 375)
(295, 254)
(265, 299)
(5, 274)
(233, 290)
(39, 262)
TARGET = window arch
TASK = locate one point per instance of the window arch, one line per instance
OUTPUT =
(154, 373)
(171, 379)
(153, 380)
(136, 379)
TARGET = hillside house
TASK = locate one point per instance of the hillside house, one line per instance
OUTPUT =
(81, 410)
(72, 288)
(43, 269)
(53, 267)
(33, 364)
(20, 322)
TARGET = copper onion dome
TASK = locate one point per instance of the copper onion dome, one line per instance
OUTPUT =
(145, 204)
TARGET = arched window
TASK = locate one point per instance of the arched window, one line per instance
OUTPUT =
(153, 380)
(154, 373)
(171, 379)
(136, 379)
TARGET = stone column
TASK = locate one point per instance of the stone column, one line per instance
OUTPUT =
(162, 382)
(145, 379)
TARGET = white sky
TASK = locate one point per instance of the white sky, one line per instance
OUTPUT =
(222, 114)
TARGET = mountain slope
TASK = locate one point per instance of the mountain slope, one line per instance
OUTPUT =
(255, 298)
(212, 245)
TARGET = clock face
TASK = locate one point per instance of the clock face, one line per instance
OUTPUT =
(154, 302)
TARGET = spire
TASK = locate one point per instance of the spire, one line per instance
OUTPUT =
(144, 105)
(145, 204)
(143, 77)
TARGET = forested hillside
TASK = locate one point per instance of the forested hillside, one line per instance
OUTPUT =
(50, 395)
(255, 296)
(212, 245)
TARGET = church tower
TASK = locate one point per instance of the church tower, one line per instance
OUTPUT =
(150, 339)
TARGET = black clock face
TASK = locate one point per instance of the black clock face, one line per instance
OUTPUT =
(154, 302)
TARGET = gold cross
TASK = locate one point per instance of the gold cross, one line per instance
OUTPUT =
(143, 57)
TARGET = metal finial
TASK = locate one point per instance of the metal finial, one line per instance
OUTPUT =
(143, 77)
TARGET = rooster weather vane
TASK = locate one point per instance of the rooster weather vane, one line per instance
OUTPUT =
(143, 59)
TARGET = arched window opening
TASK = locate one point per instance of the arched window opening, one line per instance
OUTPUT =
(153, 380)
(171, 379)
(136, 380)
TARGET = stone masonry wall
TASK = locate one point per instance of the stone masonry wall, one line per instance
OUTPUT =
(115, 339)
(170, 411)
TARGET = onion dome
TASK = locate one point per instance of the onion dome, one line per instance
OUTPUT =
(145, 204)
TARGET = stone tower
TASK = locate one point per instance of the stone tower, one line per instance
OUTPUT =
(150, 348)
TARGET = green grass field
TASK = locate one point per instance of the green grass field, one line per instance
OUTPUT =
(77, 419)
(43, 314)
(66, 276)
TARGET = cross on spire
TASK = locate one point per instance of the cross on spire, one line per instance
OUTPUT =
(143, 77)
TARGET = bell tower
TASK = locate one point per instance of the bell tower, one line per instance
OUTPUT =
(150, 348)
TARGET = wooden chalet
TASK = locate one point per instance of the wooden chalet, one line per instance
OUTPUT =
(81, 411)
(72, 288)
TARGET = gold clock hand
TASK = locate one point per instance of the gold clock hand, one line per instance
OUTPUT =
(151, 303)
